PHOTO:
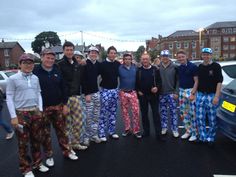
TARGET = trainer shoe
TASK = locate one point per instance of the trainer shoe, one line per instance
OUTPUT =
(192, 138)
(29, 174)
(175, 134)
(42, 168)
(138, 135)
(164, 131)
(103, 139)
(86, 142)
(72, 156)
(114, 136)
(126, 133)
(80, 147)
(9, 135)
(50, 162)
(185, 136)
(72, 151)
(96, 139)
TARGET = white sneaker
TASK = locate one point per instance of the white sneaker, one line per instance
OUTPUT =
(115, 136)
(86, 142)
(80, 147)
(29, 174)
(96, 139)
(50, 162)
(175, 134)
(42, 168)
(185, 136)
(163, 131)
(72, 151)
(72, 156)
(192, 138)
(103, 139)
(10, 135)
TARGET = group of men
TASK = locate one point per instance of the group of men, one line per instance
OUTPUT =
(68, 96)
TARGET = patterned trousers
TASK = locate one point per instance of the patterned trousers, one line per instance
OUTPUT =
(107, 121)
(205, 107)
(54, 115)
(167, 101)
(129, 101)
(188, 111)
(93, 113)
(31, 134)
(75, 120)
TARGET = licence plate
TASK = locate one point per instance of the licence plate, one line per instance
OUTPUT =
(228, 106)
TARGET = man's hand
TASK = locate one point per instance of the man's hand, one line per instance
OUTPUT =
(65, 110)
(14, 122)
(154, 89)
(88, 98)
(215, 100)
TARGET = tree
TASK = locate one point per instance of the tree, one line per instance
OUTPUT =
(139, 52)
(43, 39)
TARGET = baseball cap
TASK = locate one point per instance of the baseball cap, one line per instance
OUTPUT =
(48, 51)
(92, 48)
(78, 53)
(165, 53)
(207, 50)
(26, 56)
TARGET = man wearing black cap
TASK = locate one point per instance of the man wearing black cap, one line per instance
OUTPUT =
(54, 104)
(24, 102)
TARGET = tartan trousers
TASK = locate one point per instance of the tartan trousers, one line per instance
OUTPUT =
(188, 111)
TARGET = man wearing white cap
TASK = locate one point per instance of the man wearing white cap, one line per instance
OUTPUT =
(169, 94)
(92, 96)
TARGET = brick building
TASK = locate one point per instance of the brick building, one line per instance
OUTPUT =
(9, 54)
(220, 36)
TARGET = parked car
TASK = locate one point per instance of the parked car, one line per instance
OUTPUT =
(228, 70)
(226, 114)
(3, 78)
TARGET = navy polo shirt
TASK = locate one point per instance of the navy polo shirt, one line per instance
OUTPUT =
(186, 74)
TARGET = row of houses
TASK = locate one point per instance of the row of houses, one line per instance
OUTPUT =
(220, 36)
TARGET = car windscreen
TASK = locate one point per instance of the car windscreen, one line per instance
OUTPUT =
(230, 70)
(10, 73)
(231, 87)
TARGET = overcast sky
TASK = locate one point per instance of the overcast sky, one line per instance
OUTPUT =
(126, 24)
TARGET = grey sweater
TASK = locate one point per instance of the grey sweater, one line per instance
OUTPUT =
(169, 78)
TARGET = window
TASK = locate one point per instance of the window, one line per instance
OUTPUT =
(232, 47)
(225, 47)
(214, 31)
(232, 39)
(1, 77)
(178, 45)
(170, 46)
(186, 45)
(6, 52)
(216, 49)
(230, 70)
(193, 55)
(229, 30)
(225, 55)
(193, 44)
(226, 39)
(234, 30)
(231, 55)
(223, 30)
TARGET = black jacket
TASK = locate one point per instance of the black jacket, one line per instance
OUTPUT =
(72, 75)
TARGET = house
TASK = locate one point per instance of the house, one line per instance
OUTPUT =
(9, 54)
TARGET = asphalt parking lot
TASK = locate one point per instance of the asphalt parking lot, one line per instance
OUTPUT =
(129, 157)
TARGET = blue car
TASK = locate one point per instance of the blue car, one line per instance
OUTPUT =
(226, 113)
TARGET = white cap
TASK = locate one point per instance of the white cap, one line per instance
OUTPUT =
(92, 48)
(165, 53)
(78, 53)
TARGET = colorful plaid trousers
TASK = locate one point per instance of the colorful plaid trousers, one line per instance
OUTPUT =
(187, 111)
(205, 108)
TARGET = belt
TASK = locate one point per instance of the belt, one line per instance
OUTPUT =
(31, 108)
(127, 91)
